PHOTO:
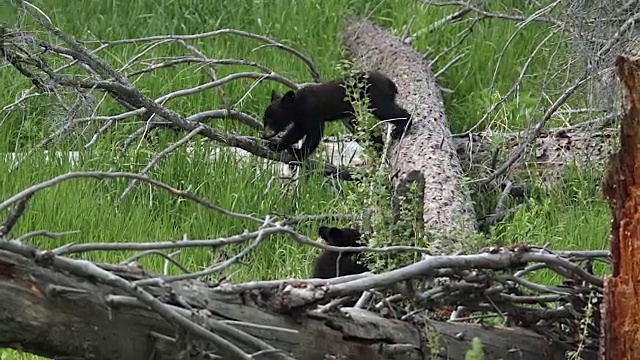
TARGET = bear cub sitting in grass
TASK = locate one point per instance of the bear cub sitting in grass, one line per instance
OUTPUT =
(310, 107)
(348, 264)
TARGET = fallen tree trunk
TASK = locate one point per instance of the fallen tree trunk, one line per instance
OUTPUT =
(426, 154)
(50, 312)
(479, 153)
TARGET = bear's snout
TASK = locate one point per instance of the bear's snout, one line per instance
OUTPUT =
(268, 133)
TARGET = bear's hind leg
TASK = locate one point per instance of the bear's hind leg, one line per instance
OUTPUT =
(397, 116)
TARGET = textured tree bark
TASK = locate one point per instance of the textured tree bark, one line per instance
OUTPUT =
(426, 154)
(621, 309)
(53, 313)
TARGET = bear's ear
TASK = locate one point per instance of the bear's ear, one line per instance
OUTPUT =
(330, 234)
(323, 231)
(275, 95)
(289, 97)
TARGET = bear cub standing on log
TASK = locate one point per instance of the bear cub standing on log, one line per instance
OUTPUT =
(310, 107)
(326, 262)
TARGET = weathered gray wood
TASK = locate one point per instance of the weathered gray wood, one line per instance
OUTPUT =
(555, 150)
(50, 313)
(47, 313)
(426, 154)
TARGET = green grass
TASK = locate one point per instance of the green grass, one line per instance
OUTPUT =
(573, 217)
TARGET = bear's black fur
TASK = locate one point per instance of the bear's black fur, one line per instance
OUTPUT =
(325, 264)
(310, 107)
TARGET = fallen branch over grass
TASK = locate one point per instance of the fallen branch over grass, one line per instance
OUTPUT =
(211, 320)
(24, 52)
(129, 328)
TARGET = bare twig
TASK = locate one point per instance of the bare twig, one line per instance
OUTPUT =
(314, 72)
(101, 175)
(213, 269)
(140, 255)
(14, 216)
(537, 130)
(159, 157)
(48, 234)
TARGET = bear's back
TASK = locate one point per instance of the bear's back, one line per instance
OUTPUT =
(324, 101)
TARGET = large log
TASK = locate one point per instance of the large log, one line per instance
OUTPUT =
(50, 312)
(426, 154)
(621, 309)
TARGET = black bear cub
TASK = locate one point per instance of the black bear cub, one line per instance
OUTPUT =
(310, 107)
(326, 262)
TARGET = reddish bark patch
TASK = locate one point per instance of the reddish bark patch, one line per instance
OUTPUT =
(621, 307)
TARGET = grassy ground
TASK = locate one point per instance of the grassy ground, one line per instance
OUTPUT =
(573, 217)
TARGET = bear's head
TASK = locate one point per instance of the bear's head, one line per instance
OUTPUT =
(340, 237)
(348, 263)
(279, 114)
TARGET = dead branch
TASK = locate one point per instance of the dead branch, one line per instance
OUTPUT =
(475, 284)
(159, 157)
(312, 69)
(356, 333)
(583, 29)
(137, 103)
(100, 175)
(14, 216)
(535, 133)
